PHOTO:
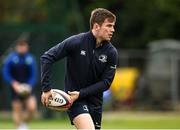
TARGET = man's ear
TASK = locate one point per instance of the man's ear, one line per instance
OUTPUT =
(96, 26)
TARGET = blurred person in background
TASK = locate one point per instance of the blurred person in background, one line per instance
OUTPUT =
(90, 69)
(20, 72)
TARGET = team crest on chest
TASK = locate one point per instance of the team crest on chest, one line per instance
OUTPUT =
(83, 52)
(103, 58)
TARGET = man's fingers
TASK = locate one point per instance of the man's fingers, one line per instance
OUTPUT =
(47, 101)
(72, 93)
(43, 99)
(69, 92)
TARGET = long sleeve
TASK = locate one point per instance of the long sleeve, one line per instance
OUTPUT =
(54, 54)
(6, 70)
(33, 72)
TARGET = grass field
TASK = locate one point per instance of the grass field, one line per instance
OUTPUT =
(111, 120)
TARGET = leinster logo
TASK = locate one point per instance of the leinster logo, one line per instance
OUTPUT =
(103, 58)
(83, 52)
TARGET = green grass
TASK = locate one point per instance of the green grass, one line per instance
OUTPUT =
(111, 120)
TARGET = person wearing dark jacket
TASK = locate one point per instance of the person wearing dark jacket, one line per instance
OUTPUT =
(91, 62)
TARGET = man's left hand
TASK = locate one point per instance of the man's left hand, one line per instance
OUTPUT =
(73, 95)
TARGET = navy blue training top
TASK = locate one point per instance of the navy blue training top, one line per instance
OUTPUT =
(89, 70)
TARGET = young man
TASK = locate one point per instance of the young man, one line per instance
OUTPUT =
(19, 71)
(90, 68)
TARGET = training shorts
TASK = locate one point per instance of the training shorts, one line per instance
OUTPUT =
(16, 96)
(80, 107)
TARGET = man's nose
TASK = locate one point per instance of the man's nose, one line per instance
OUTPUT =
(112, 30)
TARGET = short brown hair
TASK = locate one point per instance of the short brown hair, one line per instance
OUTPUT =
(21, 42)
(98, 15)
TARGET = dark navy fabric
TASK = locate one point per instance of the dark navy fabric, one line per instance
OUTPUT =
(89, 70)
(21, 68)
(82, 107)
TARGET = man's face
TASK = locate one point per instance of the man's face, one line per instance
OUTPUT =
(106, 30)
(22, 49)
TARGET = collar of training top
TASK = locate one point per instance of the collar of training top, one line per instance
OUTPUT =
(93, 38)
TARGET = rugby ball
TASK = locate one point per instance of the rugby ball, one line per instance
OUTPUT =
(25, 89)
(59, 100)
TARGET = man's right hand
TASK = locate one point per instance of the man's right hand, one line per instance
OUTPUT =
(45, 97)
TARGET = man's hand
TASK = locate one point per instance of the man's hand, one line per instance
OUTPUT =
(73, 95)
(16, 86)
(45, 97)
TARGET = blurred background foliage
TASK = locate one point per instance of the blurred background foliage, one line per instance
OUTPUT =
(47, 22)
(138, 21)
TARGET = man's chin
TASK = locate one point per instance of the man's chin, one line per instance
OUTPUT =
(108, 39)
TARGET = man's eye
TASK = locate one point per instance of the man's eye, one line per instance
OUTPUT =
(109, 25)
